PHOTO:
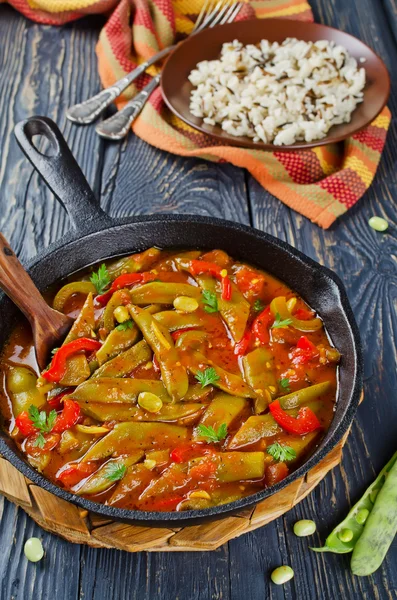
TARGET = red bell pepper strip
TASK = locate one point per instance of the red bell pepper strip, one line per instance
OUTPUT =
(249, 282)
(56, 402)
(203, 470)
(260, 327)
(305, 422)
(187, 451)
(75, 473)
(123, 281)
(241, 347)
(58, 364)
(68, 416)
(303, 314)
(24, 424)
(304, 352)
(198, 267)
(165, 504)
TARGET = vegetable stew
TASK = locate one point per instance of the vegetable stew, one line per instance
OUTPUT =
(187, 380)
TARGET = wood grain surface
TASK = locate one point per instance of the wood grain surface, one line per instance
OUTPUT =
(42, 71)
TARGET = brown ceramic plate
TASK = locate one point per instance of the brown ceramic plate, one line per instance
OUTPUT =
(207, 45)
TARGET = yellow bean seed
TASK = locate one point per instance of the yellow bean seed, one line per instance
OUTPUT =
(304, 527)
(92, 429)
(223, 273)
(200, 494)
(378, 223)
(281, 575)
(185, 304)
(33, 549)
(121, 314)
(150, 402)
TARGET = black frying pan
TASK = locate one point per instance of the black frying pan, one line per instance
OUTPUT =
(96, 237)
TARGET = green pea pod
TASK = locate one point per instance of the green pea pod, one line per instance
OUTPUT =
(124, 412)
(136, 263)
(102, 480)
(379, 530)
(162, 292)
(109, 412)
(21, 386)
(116, 300)
(125, 362)
(259, 373)
(333, 543)
(303, 396)
(234, 466)
(174, 477)
(235, 312)
(173, 320)
(116, 342)
(77, 370)
(125, 438)
(173, 373)
(84, 325)
(254, 429)
(192, 340)
(222, 410)
(279, 306)
(196, 392)
(228, 382)
(76, 287)
(108, 390)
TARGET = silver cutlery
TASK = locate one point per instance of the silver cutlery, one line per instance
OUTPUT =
(212, 13)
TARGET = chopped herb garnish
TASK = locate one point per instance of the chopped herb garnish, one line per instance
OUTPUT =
(281, 453)
(258, 306)
(210, 301)
(211, 435)
(207, 377)
(41, 420)
(101, 279)
(40, 441)
(115, 471)
(54, 351)
(284, 383)
(125, 325)
(279, 323)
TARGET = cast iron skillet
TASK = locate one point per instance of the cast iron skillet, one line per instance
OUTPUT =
(96, 236)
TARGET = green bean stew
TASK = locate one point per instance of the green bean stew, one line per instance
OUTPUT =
(188, 380)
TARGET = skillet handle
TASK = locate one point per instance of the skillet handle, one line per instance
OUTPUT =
(61, 172)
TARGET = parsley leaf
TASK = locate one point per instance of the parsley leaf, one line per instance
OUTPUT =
(207, 377)
(40, 441)
(115, 471)
(101, 279)
(125, 325)
(279, 323)
(284, 383)
(258, 306)
(211, 435)
(210, 301)
(41, 420)
(281, 453)
(54, 351)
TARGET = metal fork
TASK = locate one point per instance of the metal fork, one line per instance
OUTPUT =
(213, 12)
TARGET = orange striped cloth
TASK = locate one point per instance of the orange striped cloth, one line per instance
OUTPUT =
(322, 183)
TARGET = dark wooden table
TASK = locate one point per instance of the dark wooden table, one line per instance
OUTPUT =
(42, 71)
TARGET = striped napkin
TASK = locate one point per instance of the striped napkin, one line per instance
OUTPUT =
(322, 183)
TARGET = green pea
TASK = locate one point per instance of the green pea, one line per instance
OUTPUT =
(346, 535)
(378, 223)
(373, 495)
(281, 575)
(362, 516)
(33, 549)
(304, 527)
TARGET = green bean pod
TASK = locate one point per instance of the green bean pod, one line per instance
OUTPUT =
(228, 382)
(259, 373)
(84, 325)
(100, 481)
(162, 292)
(333, 542)
(116, 342)
(254, 429)
(173, 320)
(125, 362)
(304, 396)
(75, 287)
(279, 306)
(379, 530)
(136, 263)
(173, 373)
(222, 410)
(107, 390)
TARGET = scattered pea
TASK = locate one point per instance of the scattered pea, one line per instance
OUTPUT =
(304, 527)
(362, 516)
(33, 549)
(185, 304)
(281, 575)
(150, 402)
(378, 223)
(200, 494)
(121, 314)
(346, 535)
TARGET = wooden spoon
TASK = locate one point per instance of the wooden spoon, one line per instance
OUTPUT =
(48, 325)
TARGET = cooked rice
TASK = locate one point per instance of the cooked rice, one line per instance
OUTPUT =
(278, 93)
